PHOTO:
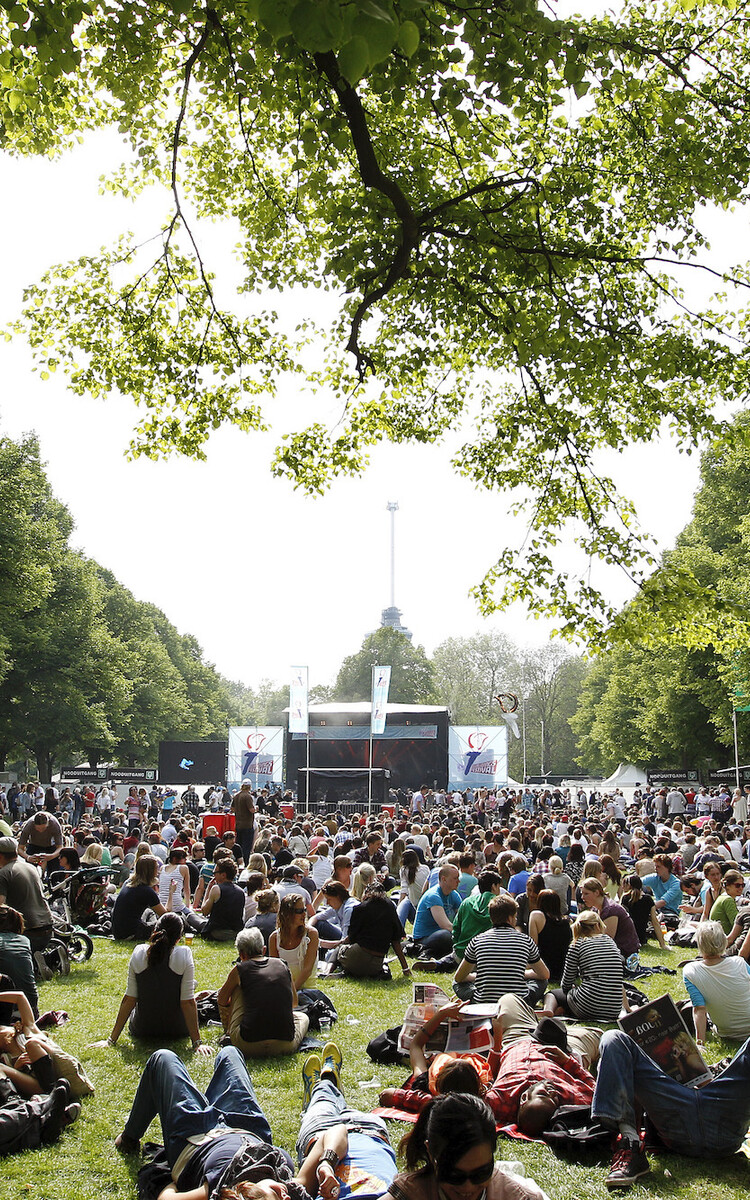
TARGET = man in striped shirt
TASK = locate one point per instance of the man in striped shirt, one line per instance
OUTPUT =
(504, 959)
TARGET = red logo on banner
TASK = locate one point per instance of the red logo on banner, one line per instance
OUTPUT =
(255, 741)
(477, 740)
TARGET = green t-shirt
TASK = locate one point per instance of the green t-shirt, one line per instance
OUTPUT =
(725, 912)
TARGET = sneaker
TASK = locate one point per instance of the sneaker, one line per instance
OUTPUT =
(41, 965)
(629, 1164)
(310, 1076)
(332, 1060)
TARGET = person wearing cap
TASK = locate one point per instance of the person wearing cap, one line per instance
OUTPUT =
(21, 888)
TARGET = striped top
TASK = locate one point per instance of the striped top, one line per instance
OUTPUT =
(501, 955)
(597, 962)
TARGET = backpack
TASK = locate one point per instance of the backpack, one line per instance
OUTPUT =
(574, 1129)
(384, 1048)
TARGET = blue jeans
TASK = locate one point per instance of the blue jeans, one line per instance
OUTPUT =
(328, 1107)
(406, 911)
(166, 1091)
(712, 1120)
(438, 943)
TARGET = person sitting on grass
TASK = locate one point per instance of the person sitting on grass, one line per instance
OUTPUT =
(15, 955)
(159, 1000)
(718, 987)
(136, 897)
(707, 1122)
(258, 1001)
(592, 982)
(374, 928)
(294, 941)
(222, 912)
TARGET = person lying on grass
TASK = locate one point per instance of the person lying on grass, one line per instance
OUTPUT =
(218, 1146)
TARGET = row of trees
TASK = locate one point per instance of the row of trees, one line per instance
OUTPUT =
(85, 667)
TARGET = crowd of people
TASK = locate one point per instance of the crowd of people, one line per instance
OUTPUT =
(535, 902)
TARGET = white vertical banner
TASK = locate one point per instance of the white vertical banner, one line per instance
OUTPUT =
(381, 682)
(298, 715)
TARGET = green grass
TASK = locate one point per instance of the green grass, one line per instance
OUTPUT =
(85, 1164)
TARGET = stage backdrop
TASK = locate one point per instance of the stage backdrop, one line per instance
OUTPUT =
(477, 756)
(256, 755)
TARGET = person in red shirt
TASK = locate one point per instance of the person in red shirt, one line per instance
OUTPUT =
(560, 1076)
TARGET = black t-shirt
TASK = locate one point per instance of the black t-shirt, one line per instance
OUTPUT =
(129, 908)
(375, 925)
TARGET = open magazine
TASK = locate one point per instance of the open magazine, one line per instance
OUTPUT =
(662, 1034)
(470, 1033)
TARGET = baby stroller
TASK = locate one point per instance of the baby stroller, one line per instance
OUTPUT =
(75, 898)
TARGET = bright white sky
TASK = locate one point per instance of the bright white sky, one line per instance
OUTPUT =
(264, 577)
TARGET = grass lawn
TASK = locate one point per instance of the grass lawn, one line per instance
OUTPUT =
(85, 1164)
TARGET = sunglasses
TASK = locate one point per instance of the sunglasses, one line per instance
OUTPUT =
(479, 1175)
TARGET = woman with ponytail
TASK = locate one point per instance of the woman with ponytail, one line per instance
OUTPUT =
(450, 1155)
(159, 1001)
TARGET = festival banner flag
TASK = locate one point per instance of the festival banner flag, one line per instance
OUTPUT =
(298, 715)
(381, 681)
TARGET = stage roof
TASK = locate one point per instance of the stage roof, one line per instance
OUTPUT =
(364, 706)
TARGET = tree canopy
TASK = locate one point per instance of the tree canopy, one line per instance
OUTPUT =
(670, 704)
(411, 671)
(86, 670)
(503, 206)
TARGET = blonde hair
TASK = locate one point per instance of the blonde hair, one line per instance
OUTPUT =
(588, 924)
(555, 864)
(362, 878)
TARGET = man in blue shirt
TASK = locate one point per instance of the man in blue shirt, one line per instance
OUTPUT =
(436, 912)
(664, 885)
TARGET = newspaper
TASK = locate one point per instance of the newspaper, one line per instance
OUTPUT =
(660, 1031)
(470, 1033)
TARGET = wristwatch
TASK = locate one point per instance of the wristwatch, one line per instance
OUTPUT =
(330, 1157)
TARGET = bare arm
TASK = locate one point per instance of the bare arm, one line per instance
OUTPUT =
(317, 1177)
(309, 960)
(127, 1004)
(170, 1193)
(190, 1013)
(211, 898)
(24, 1010)
(227, 989)
(699, 1016)
(440, 917)
(656, 926)
(465, 969)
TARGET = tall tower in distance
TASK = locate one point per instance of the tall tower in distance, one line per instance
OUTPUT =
(391, 616)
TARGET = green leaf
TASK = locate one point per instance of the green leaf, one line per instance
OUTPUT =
(408, 38)
(354, 59)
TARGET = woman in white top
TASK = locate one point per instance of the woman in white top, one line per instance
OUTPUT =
(159, 999)
(321, 864)
(414, 875)
(294, 941)
(175, 877)
(557, 881)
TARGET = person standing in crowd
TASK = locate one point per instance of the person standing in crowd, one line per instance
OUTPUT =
(243, 807)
